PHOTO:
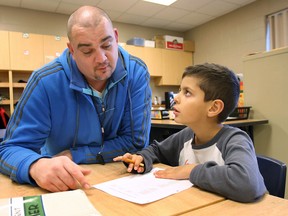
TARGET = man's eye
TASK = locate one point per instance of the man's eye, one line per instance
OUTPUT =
(106, 46)
(87, 52)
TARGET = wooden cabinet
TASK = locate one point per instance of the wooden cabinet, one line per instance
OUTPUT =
(150, 56)
(4, 67)
(20, 54)
(53, 47)
(167, 64)
(4, 50)
(12, 84)
(26, 51)
(174, 63)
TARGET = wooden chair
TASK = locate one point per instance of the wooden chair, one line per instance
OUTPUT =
(274, 174)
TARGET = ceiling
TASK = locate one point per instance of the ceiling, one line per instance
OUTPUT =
(180, 16)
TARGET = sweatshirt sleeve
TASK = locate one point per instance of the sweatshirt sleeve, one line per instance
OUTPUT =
(167, 151)
(239, 178)
(25, 134)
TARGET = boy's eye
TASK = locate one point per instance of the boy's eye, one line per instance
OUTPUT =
(187, 93)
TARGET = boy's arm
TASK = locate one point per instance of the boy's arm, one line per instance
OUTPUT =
(167, 151)
(239, 178)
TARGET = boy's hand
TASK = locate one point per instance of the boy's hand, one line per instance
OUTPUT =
(180, 172)
(134, 162)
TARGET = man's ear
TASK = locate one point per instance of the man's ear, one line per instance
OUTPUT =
(70, 48)
(216, 108)
(116, 34)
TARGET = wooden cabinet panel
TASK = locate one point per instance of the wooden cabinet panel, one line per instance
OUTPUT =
(4, 50)
(174, 63)
(151, 56)
(164, 63)
(26, 51)
(136, 51)
(53, 47)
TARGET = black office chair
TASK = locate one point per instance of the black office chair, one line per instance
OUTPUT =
(274, 174)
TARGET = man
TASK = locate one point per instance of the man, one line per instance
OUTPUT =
(87, 106)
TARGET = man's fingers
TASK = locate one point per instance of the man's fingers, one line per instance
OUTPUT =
(78, 174)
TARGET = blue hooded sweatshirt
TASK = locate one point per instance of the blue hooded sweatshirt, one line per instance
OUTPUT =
(59, 111)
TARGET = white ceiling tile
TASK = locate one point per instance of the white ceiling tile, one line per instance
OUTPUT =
(12, 3)
(195, 18)
(40, 5)
(217, 7)
(81, 2)
(191, 5)
(240, 2)
(171, 13)
(131, 18)
(145, 9)
(113, 14)
(122, 5)
(178, 16)
(154, 22)
(66, 8)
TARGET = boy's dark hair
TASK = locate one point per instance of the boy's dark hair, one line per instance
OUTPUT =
(217, 82)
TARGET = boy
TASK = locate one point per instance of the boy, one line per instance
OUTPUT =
(213, 156)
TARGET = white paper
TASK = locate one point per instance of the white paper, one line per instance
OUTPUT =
(144, 188)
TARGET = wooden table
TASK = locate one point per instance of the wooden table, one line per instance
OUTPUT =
(192, 201)
(106, 204)
(268, 206)
(170, 126)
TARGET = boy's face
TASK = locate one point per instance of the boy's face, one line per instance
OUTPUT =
(190, 108)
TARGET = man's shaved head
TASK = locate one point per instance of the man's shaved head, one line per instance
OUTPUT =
(86, 16)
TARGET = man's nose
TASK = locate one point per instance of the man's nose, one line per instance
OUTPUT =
(100, 56)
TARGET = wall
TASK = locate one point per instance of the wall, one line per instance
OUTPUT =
(226, 41)
(266, 88)
(24, 20)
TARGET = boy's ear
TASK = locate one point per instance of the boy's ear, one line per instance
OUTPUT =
(216, 108)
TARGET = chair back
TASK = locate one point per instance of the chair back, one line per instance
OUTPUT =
(274, 174)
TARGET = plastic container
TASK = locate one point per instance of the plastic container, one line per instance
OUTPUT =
(136, 41)
(239, 113)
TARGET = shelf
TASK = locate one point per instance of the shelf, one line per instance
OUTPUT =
(5, 102)
(19, 85)
(4, 85)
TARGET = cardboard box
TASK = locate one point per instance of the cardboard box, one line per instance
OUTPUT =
(189, 46)
(169, 42)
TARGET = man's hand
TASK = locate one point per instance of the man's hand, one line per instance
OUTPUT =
(179, 172)
(58, 174)
(66, 153)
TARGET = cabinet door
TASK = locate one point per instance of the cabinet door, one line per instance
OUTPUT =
(151, 57)
(53, 47)
(174, 63)
(4, 50)
(136, 51)
(26, 51)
